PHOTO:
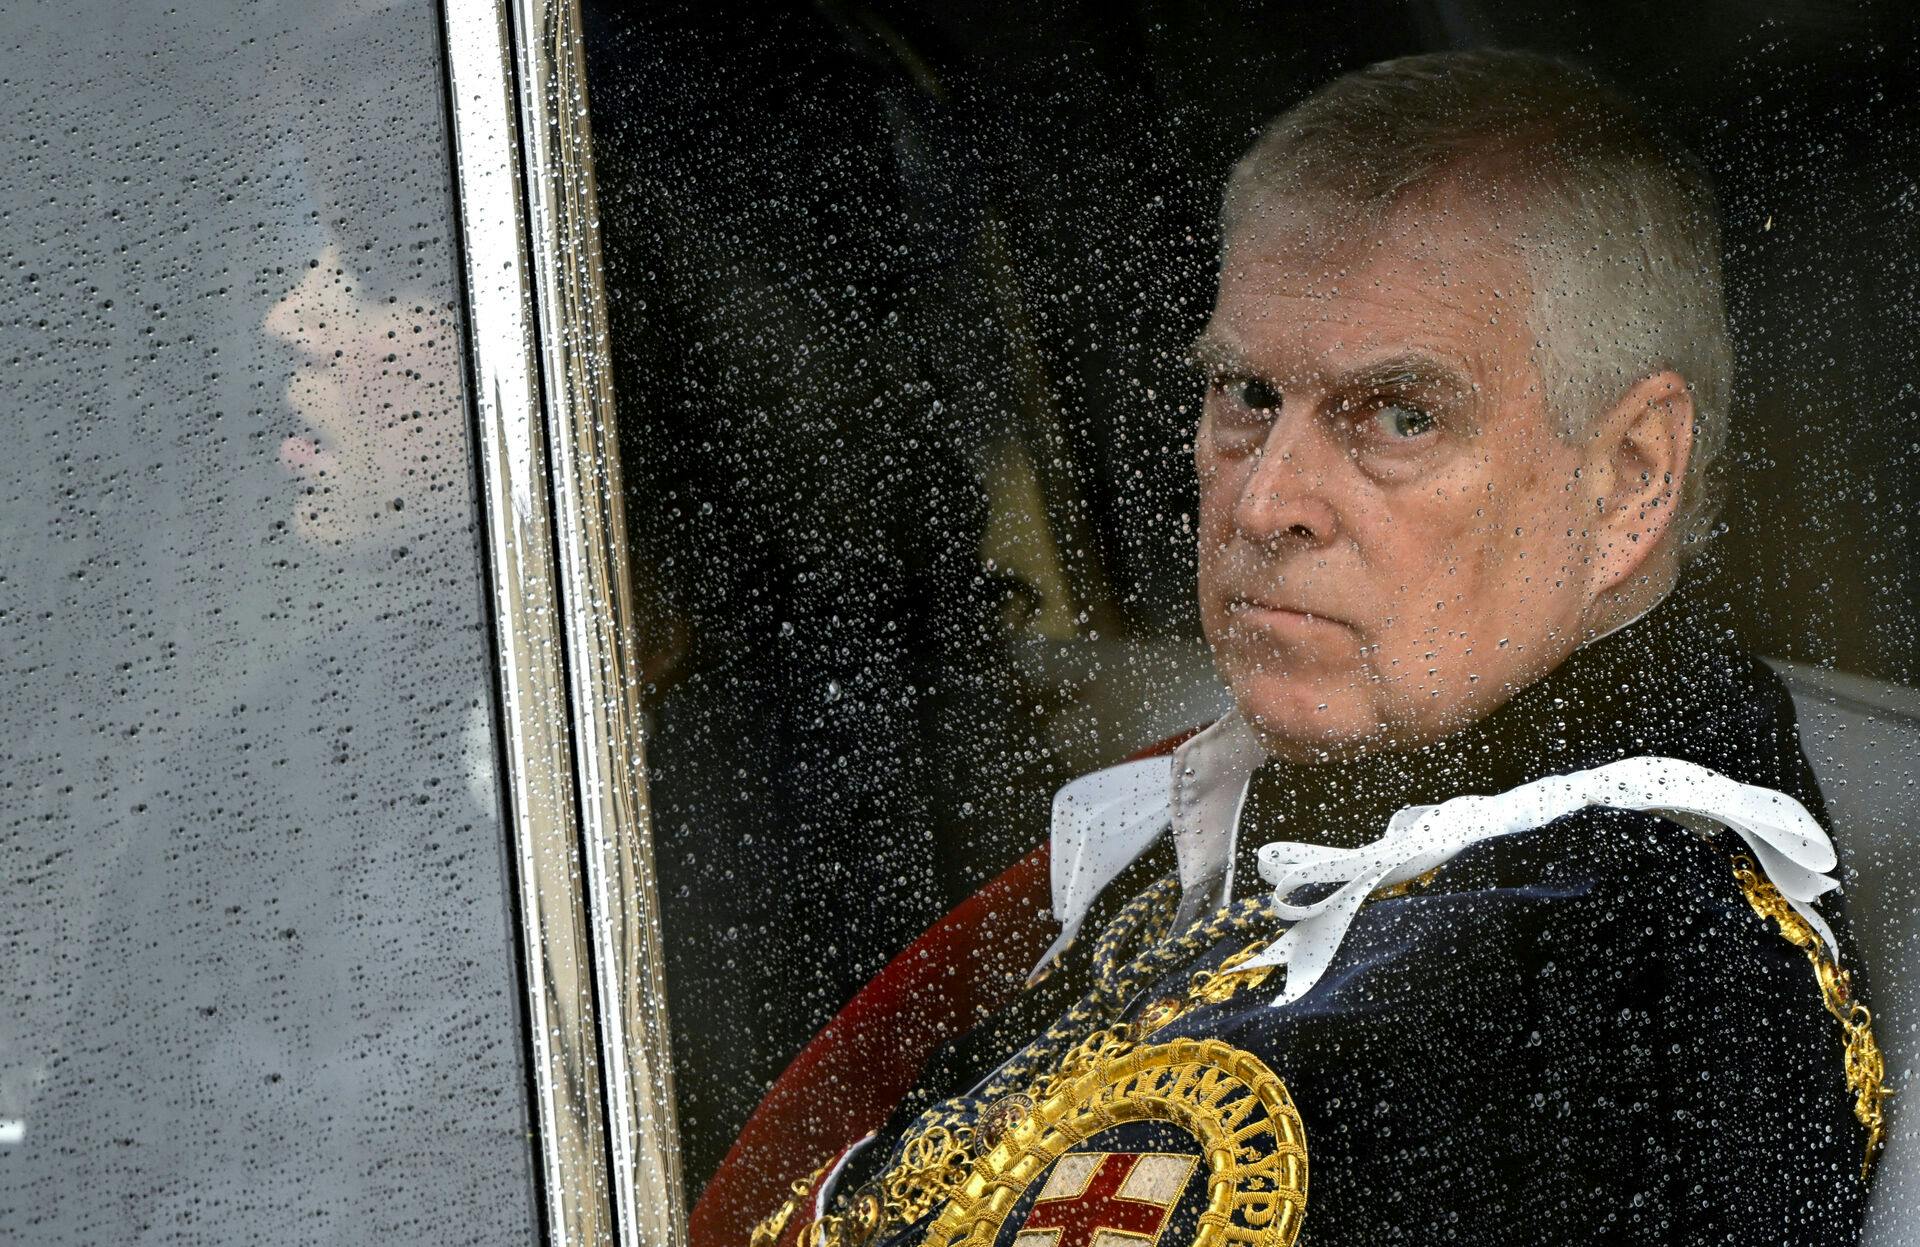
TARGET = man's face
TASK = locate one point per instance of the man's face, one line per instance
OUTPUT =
(1392, 530)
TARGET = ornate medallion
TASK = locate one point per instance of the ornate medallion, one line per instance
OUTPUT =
(1188, 1143)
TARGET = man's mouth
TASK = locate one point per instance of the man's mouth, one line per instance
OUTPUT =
(1284, 617)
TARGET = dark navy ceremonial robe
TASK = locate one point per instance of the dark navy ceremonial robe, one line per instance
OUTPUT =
(1582, 1033)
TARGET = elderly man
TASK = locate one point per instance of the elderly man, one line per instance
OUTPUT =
(1492, 905)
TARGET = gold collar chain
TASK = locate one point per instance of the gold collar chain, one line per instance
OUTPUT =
(1866, 1067)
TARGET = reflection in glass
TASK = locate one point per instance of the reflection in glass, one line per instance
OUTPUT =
(260, 980)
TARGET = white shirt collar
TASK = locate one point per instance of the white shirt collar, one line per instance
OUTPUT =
(1104, 821)
(1210, 776)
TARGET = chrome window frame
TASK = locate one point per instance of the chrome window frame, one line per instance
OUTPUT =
(574, 767)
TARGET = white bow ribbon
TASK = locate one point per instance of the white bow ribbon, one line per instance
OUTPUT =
(1788, 845)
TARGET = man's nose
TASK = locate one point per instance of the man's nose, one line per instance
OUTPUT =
(1286, 499)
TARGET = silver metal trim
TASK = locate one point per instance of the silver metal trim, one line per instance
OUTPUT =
(539, 763)
(602, 637)
(565, 622)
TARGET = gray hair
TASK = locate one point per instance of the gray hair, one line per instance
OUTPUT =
(1619, 227)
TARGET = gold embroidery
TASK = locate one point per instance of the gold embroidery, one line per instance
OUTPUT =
(1414, 884)
(1218, 986)
(1866, 1068)
(1207, 987)
(1160, 1013)
(1001, 1115)
(768, 1232)
(1235, 1109)
(932, 1164)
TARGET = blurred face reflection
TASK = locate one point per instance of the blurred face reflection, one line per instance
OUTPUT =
(1391, 527)
(375, 389)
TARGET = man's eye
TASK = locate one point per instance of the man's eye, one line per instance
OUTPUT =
(1397, 420)
(1248, 392)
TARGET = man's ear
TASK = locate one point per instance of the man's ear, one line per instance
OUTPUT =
(1636, 460)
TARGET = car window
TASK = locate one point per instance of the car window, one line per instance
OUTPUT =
(260, 980)
(903, 303)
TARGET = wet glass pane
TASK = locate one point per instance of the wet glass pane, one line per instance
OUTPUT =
(259, 977)
(917, 315)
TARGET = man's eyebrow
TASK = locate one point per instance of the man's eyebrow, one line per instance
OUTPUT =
(1414, 369)
(1211, 352)
(1215, 353)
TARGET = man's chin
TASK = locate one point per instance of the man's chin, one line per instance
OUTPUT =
(1301, 726)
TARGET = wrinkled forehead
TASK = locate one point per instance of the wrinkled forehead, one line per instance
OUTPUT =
(1457, 227)
(1303, 283)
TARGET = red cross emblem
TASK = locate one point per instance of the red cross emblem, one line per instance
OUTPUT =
(1125, 1194)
